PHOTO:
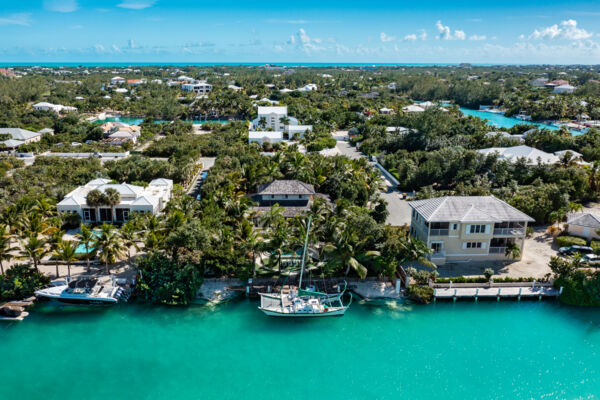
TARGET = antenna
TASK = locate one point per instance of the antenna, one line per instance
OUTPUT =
(304, 251)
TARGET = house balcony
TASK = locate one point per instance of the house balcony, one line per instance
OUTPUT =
(439, 232)
(509, 231)
(498, 250)
(438, 255)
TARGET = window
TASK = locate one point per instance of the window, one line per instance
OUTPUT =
(454, 226)
(477, 229)
(473, 245)
(436, 247)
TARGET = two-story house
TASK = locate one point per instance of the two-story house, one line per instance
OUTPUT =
(294, 196)
(468, 228)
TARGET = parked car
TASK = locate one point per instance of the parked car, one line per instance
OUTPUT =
(591, 259)
(570, 250)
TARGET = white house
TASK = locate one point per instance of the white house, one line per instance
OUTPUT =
(308, 88)
(564, 89)
(513, 154)
(151, 199)
(57, 108)
(292, 130)
(199, 87)
(261, 137)
(413, 108)
(386, 110)
(272, 116)
(520, 138)
(118, 132)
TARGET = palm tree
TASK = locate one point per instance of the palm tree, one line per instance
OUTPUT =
(112, 198)
(95, 199)
(35, 249)
(414, 249)
(130, 237)
(66, 251)
(513, 251)
(87, 238)
(594, 176)
(345, 250)
(54, 240)
(111, 246)
(251, 241)
(262, 122)
(5, 247)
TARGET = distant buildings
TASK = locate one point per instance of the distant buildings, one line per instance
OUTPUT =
(117, 80)
(297, 130)
(413, 108)
(564, 89)
(386, 111)
(151, 199)
(468, 228)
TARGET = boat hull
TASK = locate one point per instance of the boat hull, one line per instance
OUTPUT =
(78, 300)
(337, 312)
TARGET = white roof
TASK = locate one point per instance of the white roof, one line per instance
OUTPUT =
(162, 182)
(573, 153)
(413, 108)
(265, 135)
(272, 110)
(299, 128)
(12, 143)
(514, 153)
(467, 209)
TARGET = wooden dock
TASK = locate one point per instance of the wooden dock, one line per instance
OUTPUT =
(518, 292)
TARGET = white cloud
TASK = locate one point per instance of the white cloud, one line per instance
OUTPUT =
(413, 37)
(567, 30)
(131, 44)
(99, 48)
(136, 4)
(447, 34)
(63, 6)
(116, 48)
(22, 19)
(304, 42)
(386, 38)
(477, 37)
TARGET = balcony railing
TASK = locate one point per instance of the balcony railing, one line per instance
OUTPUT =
(438, 232)
(437, 255)
(509, 231)
(497, 250)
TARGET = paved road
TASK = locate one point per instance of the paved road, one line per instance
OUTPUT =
(399, 210)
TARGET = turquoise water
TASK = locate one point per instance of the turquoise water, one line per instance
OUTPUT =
(485, 350)
(501, 121)
(137, 121)
(81, 248)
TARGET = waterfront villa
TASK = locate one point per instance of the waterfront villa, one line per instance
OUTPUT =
(468, 228)
(150, 199)
(294, 196)
(583, 224)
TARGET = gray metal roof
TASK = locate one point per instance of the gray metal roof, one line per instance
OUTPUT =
(468, 209)
(583, 219)
(286, 187)
(19, 134)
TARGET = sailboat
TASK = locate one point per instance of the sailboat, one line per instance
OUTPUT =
(303, 302)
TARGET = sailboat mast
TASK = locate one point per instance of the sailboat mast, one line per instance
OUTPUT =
(304, 251)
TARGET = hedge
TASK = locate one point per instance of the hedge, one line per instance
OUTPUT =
(565, 241)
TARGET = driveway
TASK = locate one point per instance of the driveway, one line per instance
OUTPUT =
(399, 210)
(207, 163)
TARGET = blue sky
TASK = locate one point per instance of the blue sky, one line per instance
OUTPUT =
(541, 31)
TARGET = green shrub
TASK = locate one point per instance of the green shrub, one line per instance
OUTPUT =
(565, 241)
(462, 279)
(21, 281)
(420, 294)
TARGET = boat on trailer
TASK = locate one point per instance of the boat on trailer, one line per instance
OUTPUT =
(303, 302)
(105, 290)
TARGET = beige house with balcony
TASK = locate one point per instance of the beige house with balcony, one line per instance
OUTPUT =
(468, 228)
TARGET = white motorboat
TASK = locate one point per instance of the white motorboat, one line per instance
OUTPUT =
(87, 290)
(304, 302)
